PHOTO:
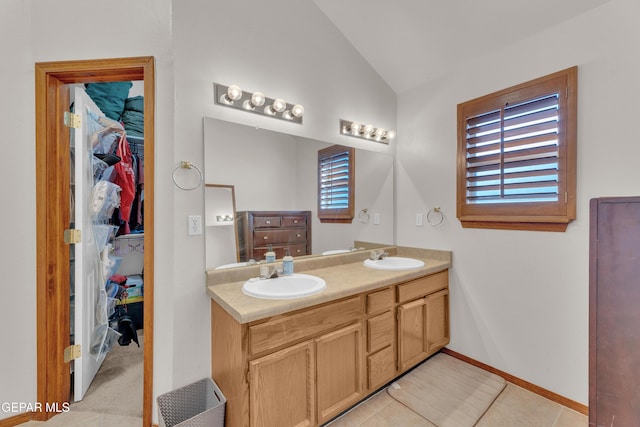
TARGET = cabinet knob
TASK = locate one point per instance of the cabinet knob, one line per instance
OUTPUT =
(265, 237)
(297, 235)
(268, 222)
(298, 251)
(295, 221)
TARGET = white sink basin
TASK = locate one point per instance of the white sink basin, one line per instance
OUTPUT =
(232, 265)
(336, 251)
(394, 263)
(284, 287)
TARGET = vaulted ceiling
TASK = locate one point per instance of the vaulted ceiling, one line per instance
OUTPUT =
(409, 42)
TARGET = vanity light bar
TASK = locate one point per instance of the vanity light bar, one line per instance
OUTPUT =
(256, 102)
(368, 132)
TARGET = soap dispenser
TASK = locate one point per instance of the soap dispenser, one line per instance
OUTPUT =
(270, 256)
(287, 263)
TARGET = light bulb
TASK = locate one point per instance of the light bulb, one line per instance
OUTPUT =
(379, 133)
(297, 110)
(279, 105)
(257, 99)
(355, 128)
(368, 129)
(391, 134)
(234, 92)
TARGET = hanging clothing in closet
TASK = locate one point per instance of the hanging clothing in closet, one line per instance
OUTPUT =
(135, 219)
(124, 177)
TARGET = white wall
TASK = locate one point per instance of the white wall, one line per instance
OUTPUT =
(37, 31)
(519, 300)
(17, 172)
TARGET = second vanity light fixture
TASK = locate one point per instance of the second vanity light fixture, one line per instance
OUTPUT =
(366, 131)
(256, 102)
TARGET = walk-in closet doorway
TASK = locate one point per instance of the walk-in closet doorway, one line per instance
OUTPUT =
(52, 80)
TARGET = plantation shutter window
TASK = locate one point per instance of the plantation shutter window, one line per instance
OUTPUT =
(517, 155)
(336, 184)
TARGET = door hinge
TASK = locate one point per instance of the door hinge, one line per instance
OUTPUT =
(72, 236)
(72, 352)
(72, 120)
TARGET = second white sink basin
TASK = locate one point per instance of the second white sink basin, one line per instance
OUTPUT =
(394, 263)
(284, 287)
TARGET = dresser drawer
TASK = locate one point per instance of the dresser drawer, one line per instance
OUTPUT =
(296, 250)
(272, 237)
(290, 328)
(423, 286)
(279, 249)
(267, 221)
(379, 301)
(294, 221)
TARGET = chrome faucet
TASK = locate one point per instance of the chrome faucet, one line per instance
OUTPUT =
(378, 254)
(275, 273)
(266, 274)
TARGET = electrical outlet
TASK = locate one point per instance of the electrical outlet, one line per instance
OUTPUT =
(376, 219)
(195, 225)
(419, 220)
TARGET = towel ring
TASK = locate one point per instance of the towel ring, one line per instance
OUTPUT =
(435, 217)
(187, 165)
(363, 216)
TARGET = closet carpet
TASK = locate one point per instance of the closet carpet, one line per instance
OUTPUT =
(117, 387)
(448, 392)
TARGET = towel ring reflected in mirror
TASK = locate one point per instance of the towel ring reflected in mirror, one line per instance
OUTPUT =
(435, 217)
(188, 165)
(363, 216)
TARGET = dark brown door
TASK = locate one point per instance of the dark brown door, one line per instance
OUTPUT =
(614, 342)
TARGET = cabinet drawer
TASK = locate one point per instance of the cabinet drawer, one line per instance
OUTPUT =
(380, 367)
(267, 237)
(297, 250)
(380, 301)
(423, 286)
(290, 328)
(266, 221)
(379, 332)
(294, 221)
(294, 250)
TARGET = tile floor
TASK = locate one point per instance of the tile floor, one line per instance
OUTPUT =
(513, 407)
(86, 419)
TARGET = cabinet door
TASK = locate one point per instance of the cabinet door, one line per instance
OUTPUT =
(412, 333)
(282, 388)
(339, 369)
(437, 320)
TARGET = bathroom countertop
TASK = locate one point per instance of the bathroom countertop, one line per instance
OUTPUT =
(342, 280)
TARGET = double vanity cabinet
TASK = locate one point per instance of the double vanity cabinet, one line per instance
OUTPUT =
(304, 366)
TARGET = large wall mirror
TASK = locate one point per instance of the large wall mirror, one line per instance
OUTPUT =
(273, 171)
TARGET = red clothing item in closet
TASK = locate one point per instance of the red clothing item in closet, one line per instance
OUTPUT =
(124, 177)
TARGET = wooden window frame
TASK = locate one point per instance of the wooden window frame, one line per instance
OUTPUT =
(337, 215)
(538, 216)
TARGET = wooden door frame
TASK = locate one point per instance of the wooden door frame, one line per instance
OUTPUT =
(53, 216)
